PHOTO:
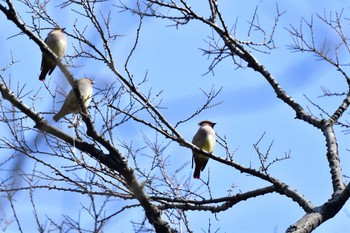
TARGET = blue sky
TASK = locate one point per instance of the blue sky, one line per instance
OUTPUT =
(176, 66)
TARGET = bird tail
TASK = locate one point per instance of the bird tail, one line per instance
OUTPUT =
(43, 75)
(58, 116)
(197, 172)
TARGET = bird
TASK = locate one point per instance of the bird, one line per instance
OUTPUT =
(205, 139)
(56, 40)
(71, 105)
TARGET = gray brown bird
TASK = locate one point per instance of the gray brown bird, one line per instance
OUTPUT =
(70, 104)
(205, 139)
(56, 40)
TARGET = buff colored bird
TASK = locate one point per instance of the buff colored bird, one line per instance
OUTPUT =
(205, 139)
(56, 40)
(70, 104)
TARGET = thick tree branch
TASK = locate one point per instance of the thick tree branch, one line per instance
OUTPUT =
(320, 214)
(333, 158)
(227, 202)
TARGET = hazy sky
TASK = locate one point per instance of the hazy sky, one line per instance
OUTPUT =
(174, 64)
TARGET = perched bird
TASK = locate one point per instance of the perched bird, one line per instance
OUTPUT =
(205, 139)
(56, 40)
(70, 104)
